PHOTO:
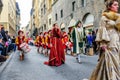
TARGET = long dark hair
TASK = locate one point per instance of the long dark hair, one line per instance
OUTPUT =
(108, 4)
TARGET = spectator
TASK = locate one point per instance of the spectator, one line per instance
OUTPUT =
(1, 45)
(5, 38)
(89, 39)
(89, 42)
(11, 46)
(13, 42)
(94, 43)
(13, 39)
(2, 58)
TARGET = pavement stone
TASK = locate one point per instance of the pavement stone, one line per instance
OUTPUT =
(33, 68)
(4, 64)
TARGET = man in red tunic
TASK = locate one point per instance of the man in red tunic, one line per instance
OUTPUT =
(46, 44)
(19, 40)
(49, 42)
(57, 55)
(40, 43)
(65, 40)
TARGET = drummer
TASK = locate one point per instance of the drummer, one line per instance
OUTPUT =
(19, 40)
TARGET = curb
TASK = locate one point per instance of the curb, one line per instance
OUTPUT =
(4, 65)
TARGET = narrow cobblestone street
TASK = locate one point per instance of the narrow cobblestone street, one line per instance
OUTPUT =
(32, 68)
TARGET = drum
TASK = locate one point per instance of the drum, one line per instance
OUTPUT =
(25, 47)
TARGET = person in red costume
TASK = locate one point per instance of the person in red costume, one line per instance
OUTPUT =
(37, 41)
(57, 55)
(49, 42)
(40, 43)
(19, 40)
(65, 40)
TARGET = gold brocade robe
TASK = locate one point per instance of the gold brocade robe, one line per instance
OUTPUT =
(108, 67)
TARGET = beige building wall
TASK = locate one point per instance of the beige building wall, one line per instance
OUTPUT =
(30, 26)
(86, 11)
(4, 14)
(46, 15)
(49, 21)
(8, 16)
(50, 2)
(36, 13)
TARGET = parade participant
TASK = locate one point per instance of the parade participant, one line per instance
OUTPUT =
(27, 37)
(37, 41)
(108, 35)
(19, 40)
(57, 56)
(77, 38)
(65, 40)
(40, 43)
(48, 42)
(43, 42)
(70, 44)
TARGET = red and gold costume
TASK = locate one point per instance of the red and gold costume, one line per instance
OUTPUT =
(57, 56)
(49, 41)
(45, 40)
(37, 41)
(40, 40)
(65, 39)
(20, 40)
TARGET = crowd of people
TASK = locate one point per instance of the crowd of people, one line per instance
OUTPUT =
(53, 44)
(56, 43)
(106, 40)
(9, 43)
(6, 44)
(74, 42)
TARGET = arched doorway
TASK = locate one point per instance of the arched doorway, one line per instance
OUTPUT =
(70, 26)
(88, 21)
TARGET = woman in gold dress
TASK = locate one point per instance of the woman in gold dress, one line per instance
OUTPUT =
(108, 36)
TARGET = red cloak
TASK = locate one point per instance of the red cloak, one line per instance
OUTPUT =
(57, 55)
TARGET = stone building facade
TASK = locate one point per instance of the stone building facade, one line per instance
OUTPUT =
(1, 5)
(43, 15)
(67, 12)
(46, 15)
(8, 16)
(18, 17)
